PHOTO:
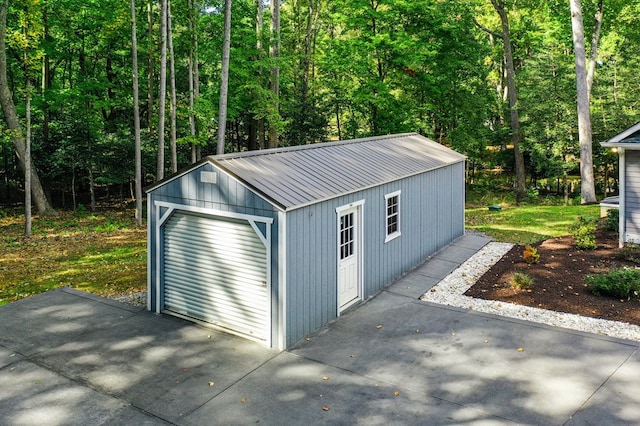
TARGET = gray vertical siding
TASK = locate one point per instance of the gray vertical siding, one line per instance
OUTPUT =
(431, 216)
(632, 192)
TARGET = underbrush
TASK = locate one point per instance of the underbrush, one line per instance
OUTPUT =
(102, 253)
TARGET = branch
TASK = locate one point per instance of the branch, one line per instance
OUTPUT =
(487, 30)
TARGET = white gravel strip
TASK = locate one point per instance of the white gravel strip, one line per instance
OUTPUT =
(450, 291)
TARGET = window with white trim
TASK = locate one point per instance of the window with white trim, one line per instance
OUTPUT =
(392, 202)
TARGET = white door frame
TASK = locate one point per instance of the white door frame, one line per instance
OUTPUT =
(357, 207)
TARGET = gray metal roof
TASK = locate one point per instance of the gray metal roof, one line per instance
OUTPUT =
(296, 176)
(629, 139)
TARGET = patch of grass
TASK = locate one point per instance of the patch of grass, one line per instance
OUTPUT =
(527, 223)
(621, 283)
(521, 281)
(102, 253)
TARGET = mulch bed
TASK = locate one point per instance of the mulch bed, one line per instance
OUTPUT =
(559, 279)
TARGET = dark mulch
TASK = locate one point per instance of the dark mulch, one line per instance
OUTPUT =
(559, 279)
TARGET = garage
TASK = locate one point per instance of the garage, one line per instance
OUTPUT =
(215, 271)
(273, 244)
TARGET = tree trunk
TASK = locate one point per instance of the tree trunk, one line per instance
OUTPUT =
(162, 92)
(587, 186)
(595, 38)
(150, 67)
(27, 171)
(274, 53)
(136, 116)
(516, 134)
(224, 82)
(13, 123)
(172, 78)
(192, 114)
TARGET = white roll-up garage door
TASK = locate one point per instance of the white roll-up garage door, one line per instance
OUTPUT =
(215, 270)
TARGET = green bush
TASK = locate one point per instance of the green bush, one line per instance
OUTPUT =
(621, 283)
(521, 281)
(583, 231)
(630, 253)
(611, 222)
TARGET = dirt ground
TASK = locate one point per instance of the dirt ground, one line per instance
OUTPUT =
(559, 279)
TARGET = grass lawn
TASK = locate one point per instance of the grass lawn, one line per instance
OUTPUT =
(104, 254)
(526, 224)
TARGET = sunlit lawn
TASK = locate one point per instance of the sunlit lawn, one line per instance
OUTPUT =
(104, 254)
(526, 224)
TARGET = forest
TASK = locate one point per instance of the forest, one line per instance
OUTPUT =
(90, 89)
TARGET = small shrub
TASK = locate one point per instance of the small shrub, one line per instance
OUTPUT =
(81, 211)
(531, 254)
(521, 281)
(611, 221)
(111, 225)
(630, 253)
(621, 283)
(583, 231)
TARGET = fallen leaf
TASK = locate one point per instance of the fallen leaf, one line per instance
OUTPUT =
(243, 400)
(520, 349)
(325, 408)
(397, 393)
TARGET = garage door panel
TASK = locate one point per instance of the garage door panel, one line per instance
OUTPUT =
(210, 264)
(215, 270)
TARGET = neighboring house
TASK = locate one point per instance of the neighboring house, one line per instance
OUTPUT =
(627, 144)
(273, 244)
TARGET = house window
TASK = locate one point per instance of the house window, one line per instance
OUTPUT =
(393, 215)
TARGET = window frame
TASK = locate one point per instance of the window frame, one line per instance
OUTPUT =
(395, 234)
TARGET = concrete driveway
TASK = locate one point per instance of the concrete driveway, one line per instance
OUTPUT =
(68, 357)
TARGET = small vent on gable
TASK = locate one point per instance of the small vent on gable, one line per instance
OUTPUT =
(209, 177)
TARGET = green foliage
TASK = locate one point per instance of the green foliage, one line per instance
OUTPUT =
(630, 252)
(612, 220)
(621, 283)
(583, 231)
(521, 281)
(111, 225)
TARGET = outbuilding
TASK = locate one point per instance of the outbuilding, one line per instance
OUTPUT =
(273, 244)
(627, 144)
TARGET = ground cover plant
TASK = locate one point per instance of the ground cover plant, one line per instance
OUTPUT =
(103, 253)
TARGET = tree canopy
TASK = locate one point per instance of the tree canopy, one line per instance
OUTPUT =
(345, 69)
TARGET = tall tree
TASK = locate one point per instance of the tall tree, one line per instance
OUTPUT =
(174, 99)
(587, 191)
(162, 92)
(13, 123)
(224, 80)
(274, 53)
(193, 44)
(136, 116)
(516, 133)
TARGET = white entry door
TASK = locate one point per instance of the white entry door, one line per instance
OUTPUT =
(348, 257)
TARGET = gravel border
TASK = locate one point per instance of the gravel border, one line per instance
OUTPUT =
(450, 291)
